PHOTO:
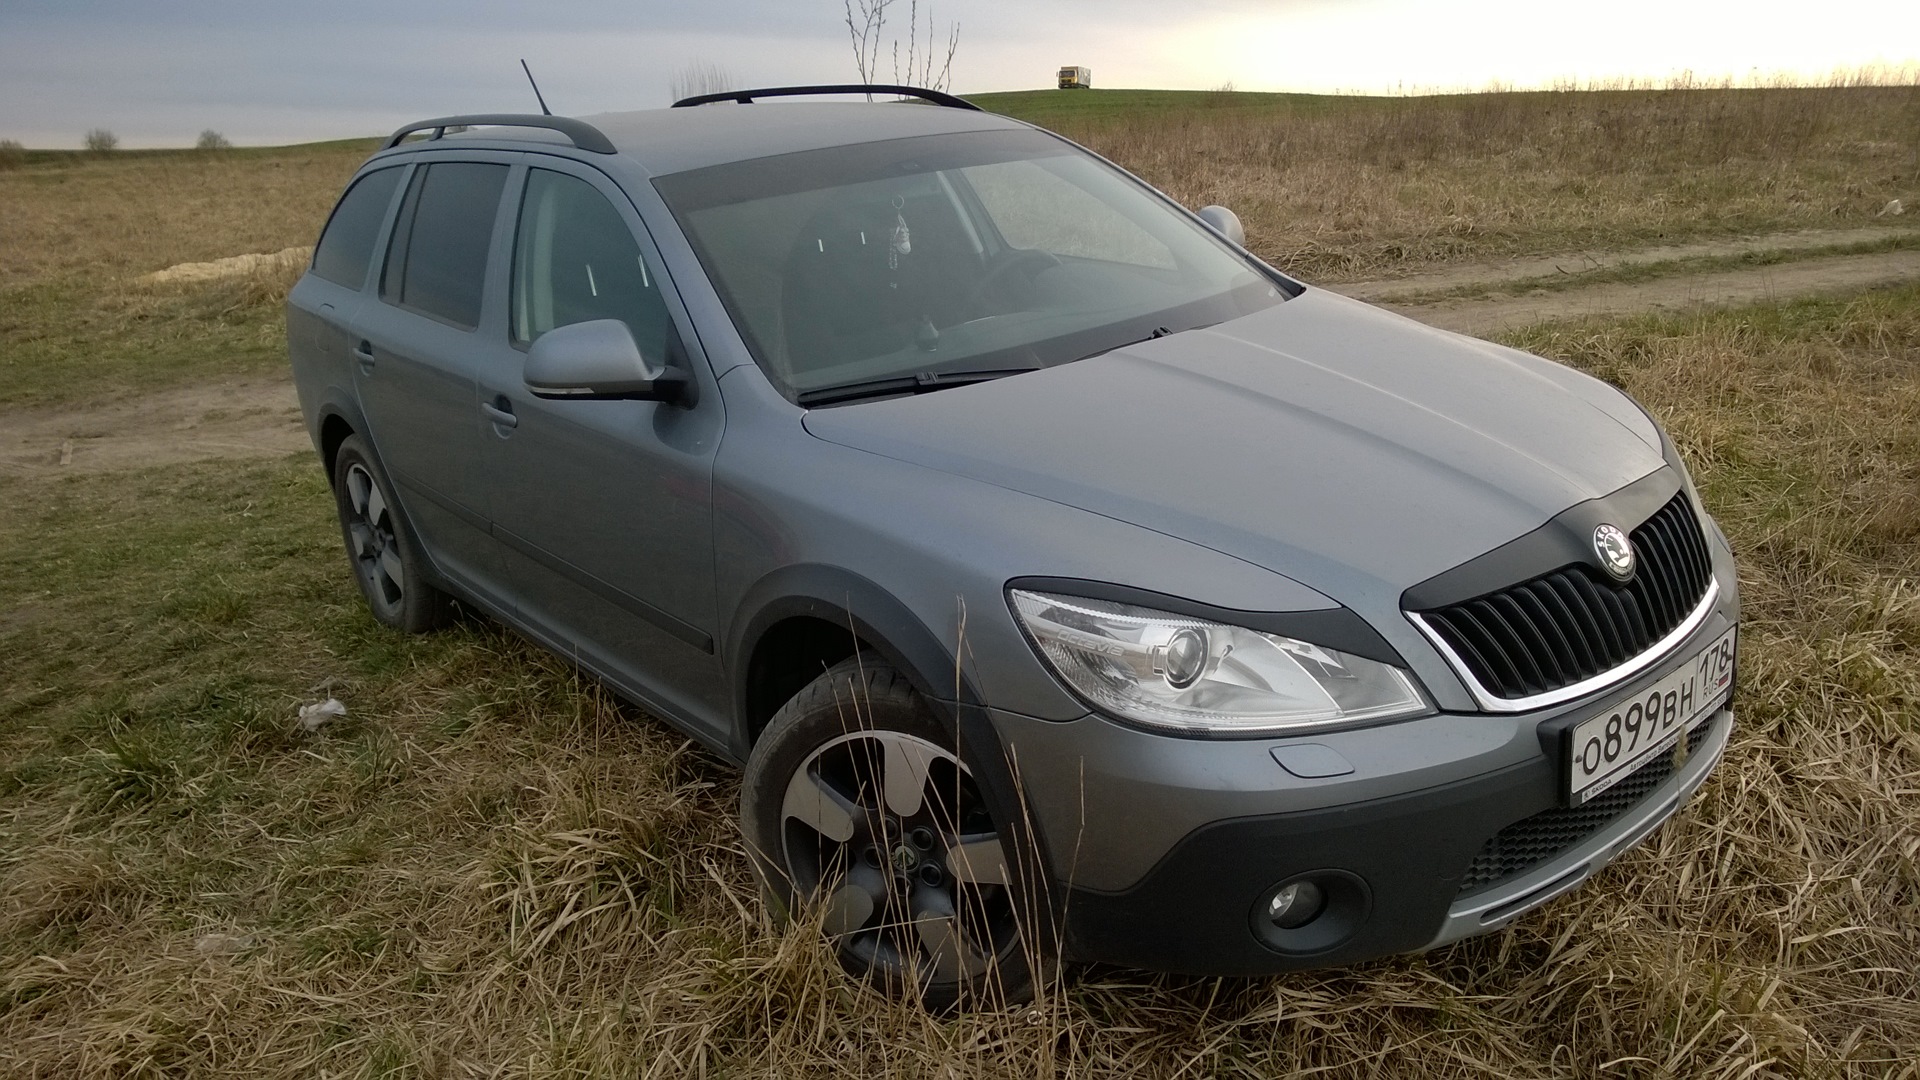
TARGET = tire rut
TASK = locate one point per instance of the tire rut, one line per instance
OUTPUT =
(1781, 281)
(1572, 264)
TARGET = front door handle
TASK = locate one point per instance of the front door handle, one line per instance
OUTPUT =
(500, 411)
(363, 352)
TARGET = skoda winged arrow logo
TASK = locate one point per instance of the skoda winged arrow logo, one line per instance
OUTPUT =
(1616, 553)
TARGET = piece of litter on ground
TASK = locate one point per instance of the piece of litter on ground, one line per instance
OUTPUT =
(1894, 208)
(314, 717)
(223, 944)
(66, 452)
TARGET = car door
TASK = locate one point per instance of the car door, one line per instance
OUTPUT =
(604, 508)
(417, 354)
(322, 306)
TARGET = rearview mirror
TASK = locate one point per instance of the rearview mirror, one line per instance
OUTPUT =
(598, 360)
(1225, 222)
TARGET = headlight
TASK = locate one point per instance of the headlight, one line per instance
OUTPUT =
(1190, 675)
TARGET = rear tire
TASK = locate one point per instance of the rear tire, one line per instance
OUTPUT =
(859, 814)
(387, 561)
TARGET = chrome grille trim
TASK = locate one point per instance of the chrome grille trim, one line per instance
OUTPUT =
(1491, 702)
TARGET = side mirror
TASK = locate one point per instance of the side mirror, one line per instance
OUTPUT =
(599, 361)
(1225, 222)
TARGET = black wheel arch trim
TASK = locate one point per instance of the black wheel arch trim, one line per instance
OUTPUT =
(1335, 627)
(335, 404)
(857, 604)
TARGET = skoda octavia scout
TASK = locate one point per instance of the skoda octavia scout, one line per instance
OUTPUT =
(1070, 583)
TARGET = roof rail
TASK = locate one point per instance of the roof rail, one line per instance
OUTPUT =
(584, 135)
(746, 97)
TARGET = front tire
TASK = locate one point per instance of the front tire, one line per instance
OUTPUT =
(858, 811)
(387, 562)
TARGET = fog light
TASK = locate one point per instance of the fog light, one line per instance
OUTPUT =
(1312, 913)
(1296, 905)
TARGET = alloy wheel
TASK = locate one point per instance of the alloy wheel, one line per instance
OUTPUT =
(375, 547)
(889, 833)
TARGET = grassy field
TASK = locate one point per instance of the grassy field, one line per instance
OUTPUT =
(488, 868)
(79, 230)
(1335, 188)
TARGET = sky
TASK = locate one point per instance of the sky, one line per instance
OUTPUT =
(158, 72)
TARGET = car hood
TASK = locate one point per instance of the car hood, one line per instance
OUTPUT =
(1340, 445)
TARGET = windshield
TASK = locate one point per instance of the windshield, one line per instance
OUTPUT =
(988, 251)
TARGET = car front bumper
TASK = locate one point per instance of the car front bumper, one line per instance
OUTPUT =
(1491, 908)
(1164, 849)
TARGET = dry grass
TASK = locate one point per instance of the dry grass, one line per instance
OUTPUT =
(79, 233)
(490, 869)
(1372, 186)
(106, 219)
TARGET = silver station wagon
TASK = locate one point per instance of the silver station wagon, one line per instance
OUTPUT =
(1071, 584)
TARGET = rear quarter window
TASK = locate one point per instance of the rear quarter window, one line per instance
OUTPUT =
(346, 245)
(437, 260)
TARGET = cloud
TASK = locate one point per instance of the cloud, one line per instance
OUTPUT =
(261, 72)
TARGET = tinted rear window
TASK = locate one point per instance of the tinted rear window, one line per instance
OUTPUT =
(438, 263)
(346, 246)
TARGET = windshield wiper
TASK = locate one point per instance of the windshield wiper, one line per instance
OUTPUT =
(919, 382)
(1158, 332)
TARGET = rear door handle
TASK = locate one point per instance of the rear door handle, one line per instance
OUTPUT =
(363, 352)
(500, 411)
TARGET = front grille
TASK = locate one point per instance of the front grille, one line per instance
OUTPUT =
(1526, 844)
(1574, 623)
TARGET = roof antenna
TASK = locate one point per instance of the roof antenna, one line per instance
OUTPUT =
(544, 111)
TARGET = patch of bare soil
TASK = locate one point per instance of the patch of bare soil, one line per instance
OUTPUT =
(1781, 281)
(226, 419)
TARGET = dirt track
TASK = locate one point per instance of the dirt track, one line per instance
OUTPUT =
(1572, 264)
(225, 419)
(256, 418)
(1782, 281)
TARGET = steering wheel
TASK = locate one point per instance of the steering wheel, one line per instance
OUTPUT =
(1001, 267)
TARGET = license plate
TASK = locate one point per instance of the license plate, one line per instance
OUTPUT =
(1608, 746)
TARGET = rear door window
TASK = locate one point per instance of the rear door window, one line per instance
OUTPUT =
(437, 260)
(575, 259)
(346, 246)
